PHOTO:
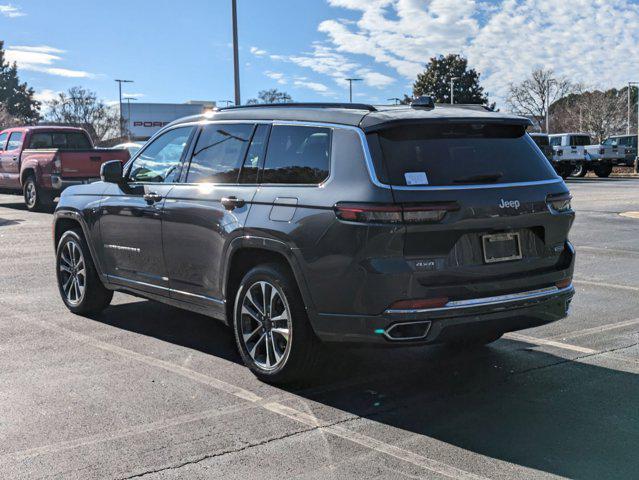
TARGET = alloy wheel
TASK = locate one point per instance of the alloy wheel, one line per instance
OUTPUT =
(73, 278)
(265, 325)
(30, 194)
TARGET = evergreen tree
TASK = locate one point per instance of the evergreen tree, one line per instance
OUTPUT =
(16, 98)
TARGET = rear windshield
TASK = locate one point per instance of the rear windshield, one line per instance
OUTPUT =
(541, 140)
(579, 140)
(445, 154)
(61, 140)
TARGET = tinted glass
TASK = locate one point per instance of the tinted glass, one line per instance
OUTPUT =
(219, 153)
(15, 141)
(540, 140)
(438, 154)
(3, 140)
(297, 155)
(255, 156)
(613, 141)
(160, 160)
(555, 141)
(61, 140)
(579, 140)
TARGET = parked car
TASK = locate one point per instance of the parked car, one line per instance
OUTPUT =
(132, 147)
(42, 161)
(299, 224)
(578, 147)
(629, 145)
(563, 166)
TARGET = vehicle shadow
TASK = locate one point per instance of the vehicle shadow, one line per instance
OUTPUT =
(507, 402)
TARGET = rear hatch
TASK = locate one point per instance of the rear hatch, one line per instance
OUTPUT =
(488, 189)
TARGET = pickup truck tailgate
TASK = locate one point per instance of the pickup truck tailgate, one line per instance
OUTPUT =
(86, 163)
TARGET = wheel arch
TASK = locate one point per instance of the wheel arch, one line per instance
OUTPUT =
(247, 252)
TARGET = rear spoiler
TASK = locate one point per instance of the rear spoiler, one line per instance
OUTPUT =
(524, 122)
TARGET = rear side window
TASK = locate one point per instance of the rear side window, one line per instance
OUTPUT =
(15, 141)
(255, 156)
(3, 140)
(445, 155)
(555, 141)
(61, 140)
(297, 155)
(219, 153)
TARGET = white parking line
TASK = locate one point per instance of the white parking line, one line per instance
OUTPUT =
(275, 407)
(606, 285)
(606, 250)
(599, 329)
(551, 343)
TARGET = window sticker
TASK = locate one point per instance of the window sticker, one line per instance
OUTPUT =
(416, 178)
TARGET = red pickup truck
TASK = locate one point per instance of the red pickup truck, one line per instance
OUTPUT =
(42, 161)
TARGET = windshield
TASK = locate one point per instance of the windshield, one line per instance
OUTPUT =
(454, 154)
(61, 140)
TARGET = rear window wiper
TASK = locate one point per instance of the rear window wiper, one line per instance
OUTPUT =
(485, 177)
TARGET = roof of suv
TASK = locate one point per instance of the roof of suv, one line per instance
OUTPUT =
(359, 115)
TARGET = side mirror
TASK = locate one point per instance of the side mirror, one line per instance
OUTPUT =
(111, 171)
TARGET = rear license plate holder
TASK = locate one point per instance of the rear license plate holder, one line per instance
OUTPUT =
(501, 247)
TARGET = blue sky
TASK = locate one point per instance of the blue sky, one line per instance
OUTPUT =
(181, 51)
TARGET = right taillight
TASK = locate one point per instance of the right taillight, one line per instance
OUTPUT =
(57, 165)
(394, 213)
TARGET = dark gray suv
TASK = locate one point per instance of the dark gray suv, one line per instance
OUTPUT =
(300, 224)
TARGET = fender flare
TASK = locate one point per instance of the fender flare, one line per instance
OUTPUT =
(273, 245)
(30, 165)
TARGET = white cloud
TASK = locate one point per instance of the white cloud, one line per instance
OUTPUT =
(315, 86)
(589, 41)
(258, 52)
(11, 11)
(42, 58)
(133, 95)
(46, 95)
(277, 76)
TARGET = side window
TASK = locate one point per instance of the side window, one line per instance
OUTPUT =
(255, 156)
(3, 140)
(219, 153)
(15, 141)
(297, 155)
(160, 160)
(555, 141)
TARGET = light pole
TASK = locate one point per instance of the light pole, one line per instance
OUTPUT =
(452, 86)
(236, 54)
(394, 99)
(630, 84)
(128, 114)
(550, 82)
(120, 82)
(350, 87)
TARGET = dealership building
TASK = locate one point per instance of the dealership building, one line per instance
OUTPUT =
(142, 120)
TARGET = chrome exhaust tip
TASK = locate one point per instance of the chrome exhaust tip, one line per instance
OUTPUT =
(405, 331)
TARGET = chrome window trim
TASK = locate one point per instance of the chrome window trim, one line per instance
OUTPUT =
(486, 301)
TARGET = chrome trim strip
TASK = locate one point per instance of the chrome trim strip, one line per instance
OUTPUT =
(480, 302)
(394, 339)
(165, 289)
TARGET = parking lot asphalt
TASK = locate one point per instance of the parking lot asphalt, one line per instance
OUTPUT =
(146, 390)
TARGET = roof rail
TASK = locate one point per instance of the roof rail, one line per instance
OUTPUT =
(350, 106)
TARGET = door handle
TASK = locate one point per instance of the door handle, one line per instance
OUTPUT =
(152, 197)
(230, 203)
(15, 159)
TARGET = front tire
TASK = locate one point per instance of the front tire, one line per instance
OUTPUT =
(80, 287)
(580, 170)
(272, 331)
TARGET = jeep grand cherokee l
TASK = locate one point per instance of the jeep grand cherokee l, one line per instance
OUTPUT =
(299, 224)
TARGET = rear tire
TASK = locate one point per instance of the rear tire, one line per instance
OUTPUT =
(272, 331)
(603, 171)
(580, 170)
(564, 171)
(35, 199)
(474, 341)
(80, 287)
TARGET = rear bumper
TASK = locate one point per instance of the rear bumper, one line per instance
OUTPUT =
(59, 183)
(499, 314)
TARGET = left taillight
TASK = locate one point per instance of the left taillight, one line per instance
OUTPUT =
(393, 213)
(57, 165)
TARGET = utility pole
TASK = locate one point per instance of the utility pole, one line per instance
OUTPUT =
(236, 55)
(120, 82)
(128, 114)
(394, 99)
(350, 87)
(630, 84)
(628, 124)
(452, 91)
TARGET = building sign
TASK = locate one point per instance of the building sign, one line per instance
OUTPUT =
(142, 120)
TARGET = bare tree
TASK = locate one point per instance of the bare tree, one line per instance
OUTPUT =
(6, 119)
(598, 113)
(82, 108)
(272, 95)
(533, 96)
